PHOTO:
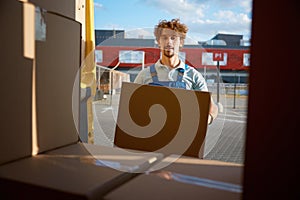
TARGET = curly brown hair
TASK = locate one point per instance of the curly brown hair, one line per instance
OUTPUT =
(174, 24)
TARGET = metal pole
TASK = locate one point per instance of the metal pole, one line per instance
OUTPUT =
(234, 90)
(218, 80)
(143, 61)
(111, 86)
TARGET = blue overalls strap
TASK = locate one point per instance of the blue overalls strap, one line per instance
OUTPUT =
(153, 73)
(180, 74)
(175, 84)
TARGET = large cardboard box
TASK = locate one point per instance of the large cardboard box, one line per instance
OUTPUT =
(78, 171)
(161, 119)
(185, 178)
(44, 77)
(15, 84)
(57, 84)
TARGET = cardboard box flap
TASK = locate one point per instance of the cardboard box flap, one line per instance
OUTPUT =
(71, 170)
(57, 64)
(160, 186)
(62, 7)
(112, 157)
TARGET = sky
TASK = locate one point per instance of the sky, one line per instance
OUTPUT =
(204, 18)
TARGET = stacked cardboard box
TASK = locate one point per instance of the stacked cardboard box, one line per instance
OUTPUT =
(41, 156)
(185, 178)
(16, 85)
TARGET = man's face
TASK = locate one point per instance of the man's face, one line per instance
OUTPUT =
(169, 42)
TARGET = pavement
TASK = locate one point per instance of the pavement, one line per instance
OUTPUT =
(225, 139)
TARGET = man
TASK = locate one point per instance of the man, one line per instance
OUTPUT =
(170, 71)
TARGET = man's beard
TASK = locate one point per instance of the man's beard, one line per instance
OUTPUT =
(169, 54)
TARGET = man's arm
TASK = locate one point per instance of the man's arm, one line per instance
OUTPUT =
(213, 111)
(200, 84)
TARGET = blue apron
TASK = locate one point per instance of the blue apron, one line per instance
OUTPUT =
(174, 84)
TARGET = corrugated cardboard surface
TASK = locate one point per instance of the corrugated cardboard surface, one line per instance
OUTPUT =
(154, 187)
(16, 85)
(112, 157)
(61, 7)
(211, 169)
(167, 120)
(161, 184)
(72, 171)
(57, 64)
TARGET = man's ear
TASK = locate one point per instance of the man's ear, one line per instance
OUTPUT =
(181, 42)
(158, 43)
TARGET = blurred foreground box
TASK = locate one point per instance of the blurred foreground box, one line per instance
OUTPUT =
(78, 171)
(185, 178)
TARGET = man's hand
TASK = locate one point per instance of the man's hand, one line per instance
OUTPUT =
(210, 119)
